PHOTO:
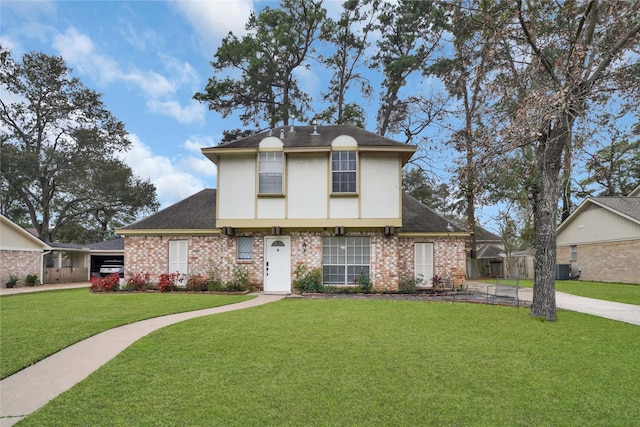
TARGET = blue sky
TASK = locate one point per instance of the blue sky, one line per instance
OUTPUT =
(148, 58)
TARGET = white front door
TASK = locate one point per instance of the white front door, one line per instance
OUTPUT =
(424, 263)
(277, 264)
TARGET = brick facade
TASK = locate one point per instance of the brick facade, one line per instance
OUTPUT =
(391, 257)
(20, 263)
(604, 262)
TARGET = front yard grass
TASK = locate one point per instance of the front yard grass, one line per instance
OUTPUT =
(36, 325)
(617, 292)
(362, 363)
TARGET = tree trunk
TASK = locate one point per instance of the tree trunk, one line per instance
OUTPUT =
(470, 175)
(389, 104)
(545, 201)
(566, 182)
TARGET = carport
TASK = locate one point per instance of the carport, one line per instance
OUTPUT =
(77, 263)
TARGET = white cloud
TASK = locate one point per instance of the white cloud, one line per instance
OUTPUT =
(10, 44)
(196, 143)
(78, 51)
(213, 19)
(173, 181)
(192, 113)
(199, 165)
(182, 72)
(29, 10)
(151, 83)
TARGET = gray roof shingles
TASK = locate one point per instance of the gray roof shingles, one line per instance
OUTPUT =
(302, 137)
(629, 206)
(418, 218)
(107, 245)
(199, 211)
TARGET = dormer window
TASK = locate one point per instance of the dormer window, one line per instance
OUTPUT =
(270, 172)
(343, 171)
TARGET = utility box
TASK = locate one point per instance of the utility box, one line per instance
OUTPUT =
(563, 271)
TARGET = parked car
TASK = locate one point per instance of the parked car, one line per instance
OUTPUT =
(112, 266)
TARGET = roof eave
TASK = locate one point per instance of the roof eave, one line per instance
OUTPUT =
(168, 231)
(432, 234)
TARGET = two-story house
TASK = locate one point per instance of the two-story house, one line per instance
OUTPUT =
(328, 197)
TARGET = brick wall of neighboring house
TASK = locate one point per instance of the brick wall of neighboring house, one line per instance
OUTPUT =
(604, 262)
(392, 257)
(20, 263)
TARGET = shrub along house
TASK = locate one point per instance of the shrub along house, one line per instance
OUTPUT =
(328, 197)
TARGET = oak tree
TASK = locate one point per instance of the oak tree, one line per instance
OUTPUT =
(58, 147)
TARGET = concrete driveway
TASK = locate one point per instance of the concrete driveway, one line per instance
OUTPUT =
(628, 313)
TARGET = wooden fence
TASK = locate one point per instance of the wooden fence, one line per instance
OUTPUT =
(65, 275)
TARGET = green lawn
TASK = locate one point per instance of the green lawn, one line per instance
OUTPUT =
(366, 362)
(618, 292)
(36, 325)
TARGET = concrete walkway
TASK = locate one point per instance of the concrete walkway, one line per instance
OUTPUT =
(56, 287)
(628, 313)
(30, 389)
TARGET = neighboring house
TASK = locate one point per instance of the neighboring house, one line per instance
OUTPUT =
(328, 197)
(489, 251)
(21, 252)
(601, 239)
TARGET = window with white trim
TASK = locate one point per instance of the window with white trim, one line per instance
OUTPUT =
(423, 263)
(245, 247)
(270, 164)
(343, 171)
(344, 259)
(178, 250)
(574, 253)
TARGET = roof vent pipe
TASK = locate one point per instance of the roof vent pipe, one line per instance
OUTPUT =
(281, 133)
(315, 127)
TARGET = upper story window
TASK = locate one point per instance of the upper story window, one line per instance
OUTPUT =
(343, 171)
(270, 172)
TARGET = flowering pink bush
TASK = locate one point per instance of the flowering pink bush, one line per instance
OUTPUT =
(138, 282)
(167, 281)
(111, 283)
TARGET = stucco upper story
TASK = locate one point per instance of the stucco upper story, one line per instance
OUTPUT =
(305, 176)
(602, 219)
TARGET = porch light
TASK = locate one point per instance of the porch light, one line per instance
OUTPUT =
(304, 247)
